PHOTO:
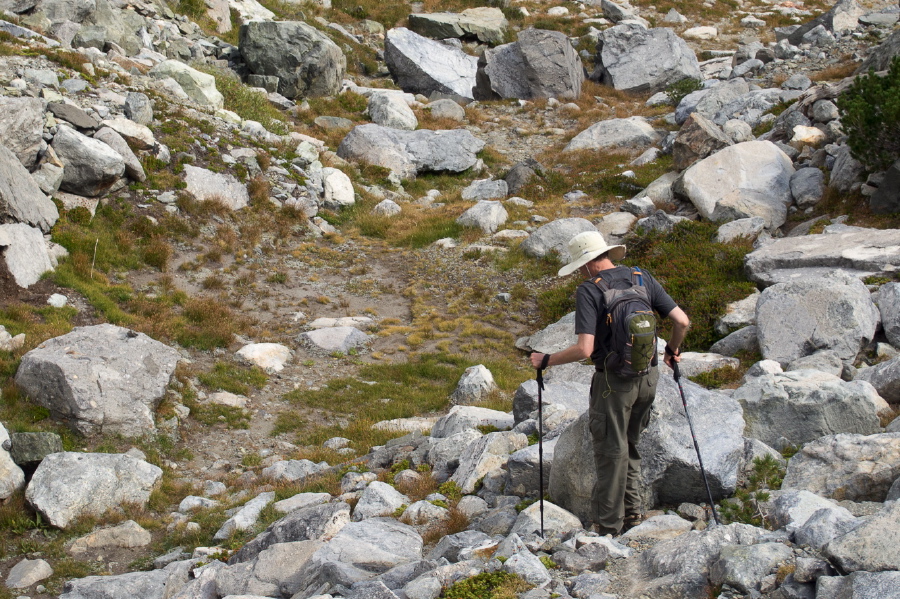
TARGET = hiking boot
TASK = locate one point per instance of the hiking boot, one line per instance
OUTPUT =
(632, 520)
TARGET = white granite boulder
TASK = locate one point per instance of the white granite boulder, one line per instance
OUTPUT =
(391, 110)
(474, 385)
(25, 253)
(484, 215)
(205, 185)
(615, 134)
(271, 357)
(200, 87)
(90, 167)
(423, 66)
(336, 339)
(21, 200)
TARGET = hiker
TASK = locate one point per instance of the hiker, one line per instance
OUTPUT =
(619, 405)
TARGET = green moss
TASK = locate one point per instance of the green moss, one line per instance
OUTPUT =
(487, 585)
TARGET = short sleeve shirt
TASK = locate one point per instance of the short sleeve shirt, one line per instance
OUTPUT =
(590, 311)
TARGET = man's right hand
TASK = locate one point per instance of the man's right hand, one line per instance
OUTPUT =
(536, 359)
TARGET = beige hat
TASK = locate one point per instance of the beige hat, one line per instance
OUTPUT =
(586, 246)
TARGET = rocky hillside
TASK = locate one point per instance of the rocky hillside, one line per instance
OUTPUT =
(269, 273)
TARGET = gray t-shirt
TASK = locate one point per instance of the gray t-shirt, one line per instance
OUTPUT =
(590, 311)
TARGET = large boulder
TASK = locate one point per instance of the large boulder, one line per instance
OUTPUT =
(101, 378)
(200, 87)
(555, 237)
(154, 584)
(90, 167)
(423, 66)
(744, 180)
(486, 24)
(860, 252)
(461, 418)
(615, 134)
(872, 546)
(488, 454)
(885, 585)
(633, 58)
(133, 166)
(21, 126)
(69, 485)
(799, 318)
(391, 110)
(205, 185)
(845, 466)
(409, 153)
(885, 377)
(794, 407)
(540, 64)
(24, 251)
(275, 572)
(568, 394)
(553, 338)
(710, 100)
(485, 215)
(698, 138)
(305, 60)
(670, 472)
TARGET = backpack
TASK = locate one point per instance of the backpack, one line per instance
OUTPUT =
(630, 318)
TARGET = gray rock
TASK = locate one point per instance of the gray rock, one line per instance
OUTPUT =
(487, 454)
(484, 215)
(90, 166)
(300, 501)
(659, 221)
(12, 478)
(68, 485)
(694, 363)
(802, 405)
(444, 452)
(862, 253)
(138, 136)
(747, 228)
(48, 177)
(884, 585)
(461, 418)
(101, 378)
(744, 339)
(540, 64)
(744, 180)
(529, 567)
(450, 546)
(486, 189)
(293, 471)
(846, 171)
(485, 24)
(246, 517)
(631, 132)
(420, 65)
(21, 126)
(555, 337)
(833, 312)
(28, 572)
(498, 521)
(133, 167)
(424, 587)
(744, 566)
(474, 385)
(885, 377)
(708, 102)
(378, 499)
(447, 109)
(25, 253)
(738, 131)
(571, 395)
(276, 571)
(591, 584)
(825, 525)
(886, 199)
(749, 107)
(826, 361)
(557, 521)
(391, 110)
(807, 186)
(72, 114)
(633, 58)
(869, 546)
(28, 449)
(205, 185)
(138, 108)
(408, 153)
(313, 65)
(524, 470)
(555, 237)
(129, 534)
(336, 339)
(854, 467)
(698, 138)
(313, 523)
(200, 87)
(149, 585)
(792, 509)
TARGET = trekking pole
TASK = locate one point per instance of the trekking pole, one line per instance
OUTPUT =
(677, 375)
(540, 386)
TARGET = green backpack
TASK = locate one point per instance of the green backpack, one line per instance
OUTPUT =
(630, 317)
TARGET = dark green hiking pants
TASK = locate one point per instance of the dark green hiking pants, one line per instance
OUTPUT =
(619, 412)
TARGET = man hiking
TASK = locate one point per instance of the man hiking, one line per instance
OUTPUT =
(624, 383)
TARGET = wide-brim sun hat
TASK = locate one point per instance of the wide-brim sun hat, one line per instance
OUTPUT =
(586, 246)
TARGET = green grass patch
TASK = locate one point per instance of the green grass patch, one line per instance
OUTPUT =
(248, 104)
(488, 585)
(234, 378)
(719, 377)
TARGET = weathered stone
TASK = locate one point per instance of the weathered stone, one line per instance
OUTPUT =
(28, 449)
(461, 418)
(150, 585)
(746, 228)
(474, 385)
(698, 138)
(207, 186)
(886, 199)
(246, 517)
(744, 566)
(524, 470)
(802, 405)
(444, 452)
(25, 253)
(740, 340)
(708, 102)
(553, 338)
(390, 110)
(101, 378)
(450, 546)
(486, 189)
(68, 485)
(133, 166)
(825, 525)
(28, 572)
(485, 215)
(632, 132)
(833, 312)
(869, 546)
(292, 471)
(846, 171)
(126, 535)
(12, 478)
(487, 454)
(555, 237)
(271, 357)
(854, 467)
(557, 521)
(571, 395)
(485, 24)
(21, 126)
(340, 339)
(423, 66)
(659, 528)
(90, 167)
(276, 571)
(408, 153)
(378, 499)
(633, 58)
(529, 567)
(885, 377)
(138, 108)
(885, 585)
(200, 87)
(447, 109)
(744, 180)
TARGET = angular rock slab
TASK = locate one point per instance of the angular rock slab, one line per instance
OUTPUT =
(871, 546)
(207, 186)
(487, 454)
(845, 466)
(21, 126)
(103, 378)
(797, 319)
(885, 585)
(332, 339)
(885, 377)
(127, 534)
(540, 64)
(11, 476)
(862, 253)
(741, 181)
(305, 60)
(68, 485)
(21, 200)
(632, 132)
(555, 237)
(633, 58)
(25, 253)
(486, 24)
(422, 66)
(271, 357)
(275, 572)
(744, 566)
(408, 153)
(555, 337)
(670, 472)
(391, 110)
(200, 87)
(795, 407)
(90, 167)
(378, 499)
(461, 418)
(888, 301)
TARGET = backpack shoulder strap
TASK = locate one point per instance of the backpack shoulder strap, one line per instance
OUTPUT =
(637, 277)
(599, 282)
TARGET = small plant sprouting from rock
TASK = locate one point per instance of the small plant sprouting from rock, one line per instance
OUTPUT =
(677, 91)
(488, 585)
(450, 490)
(745, 506)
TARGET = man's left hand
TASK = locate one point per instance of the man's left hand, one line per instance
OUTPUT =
(536, 359)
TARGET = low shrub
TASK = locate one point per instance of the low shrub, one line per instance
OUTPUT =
(870, 115)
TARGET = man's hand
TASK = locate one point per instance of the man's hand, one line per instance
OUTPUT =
(670, 357)
(536, 359)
